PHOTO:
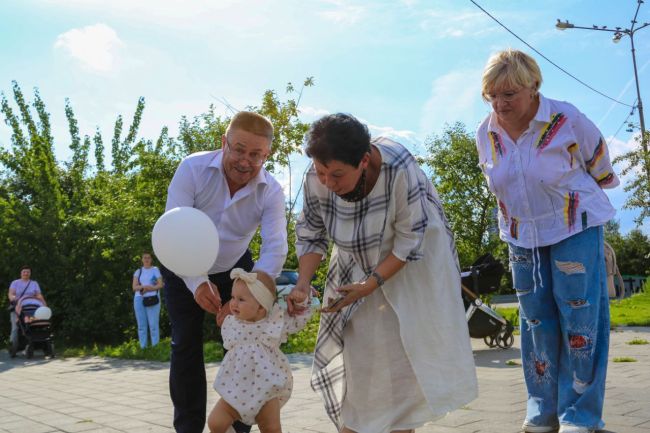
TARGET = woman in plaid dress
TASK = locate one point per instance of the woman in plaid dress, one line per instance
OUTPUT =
(393, 347)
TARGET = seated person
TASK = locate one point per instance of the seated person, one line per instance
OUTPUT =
(23, 310)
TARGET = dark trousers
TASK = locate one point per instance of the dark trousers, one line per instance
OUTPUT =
(187, 382)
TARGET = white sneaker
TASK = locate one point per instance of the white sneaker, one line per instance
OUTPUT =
(529, 427)
(568, 428)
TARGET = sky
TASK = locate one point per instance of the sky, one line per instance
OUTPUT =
(405, 67)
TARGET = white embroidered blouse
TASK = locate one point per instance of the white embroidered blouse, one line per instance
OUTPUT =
(549, 181)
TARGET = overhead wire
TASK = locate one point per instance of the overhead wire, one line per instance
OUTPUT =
(549, 60)
(621, 127)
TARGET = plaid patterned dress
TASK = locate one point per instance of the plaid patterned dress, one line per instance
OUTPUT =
(402, 215)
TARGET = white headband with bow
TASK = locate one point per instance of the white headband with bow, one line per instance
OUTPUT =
(260, 292)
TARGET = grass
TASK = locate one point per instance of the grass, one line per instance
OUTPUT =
(637, 341)
(511, 314)
(624, 359)
(302, 342)
(632, 311)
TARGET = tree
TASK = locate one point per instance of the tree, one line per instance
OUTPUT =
(632, 250)
(638, 162)
(83, 228)
(468, 204)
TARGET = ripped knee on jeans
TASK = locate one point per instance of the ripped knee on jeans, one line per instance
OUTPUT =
(578, 303)
(570, 268)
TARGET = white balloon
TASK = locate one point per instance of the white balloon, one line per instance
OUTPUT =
(186, 241)
(42, 313)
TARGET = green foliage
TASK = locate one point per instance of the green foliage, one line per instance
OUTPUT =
(632, 311)
(468, 204)
(302, 342)
(128, 350)
(510, 313)
(632, 250)
(305, 340)
(82, 227)
(638, 342)
(637, 162)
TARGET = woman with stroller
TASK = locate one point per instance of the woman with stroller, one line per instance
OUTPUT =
(547, 165)
(393, 348)
(146, 284)
(23, 291)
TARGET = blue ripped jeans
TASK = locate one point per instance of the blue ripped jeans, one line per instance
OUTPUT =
(564, 318)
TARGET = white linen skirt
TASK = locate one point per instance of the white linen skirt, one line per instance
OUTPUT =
(383, 393)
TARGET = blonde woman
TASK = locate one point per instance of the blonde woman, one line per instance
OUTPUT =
(547, 165)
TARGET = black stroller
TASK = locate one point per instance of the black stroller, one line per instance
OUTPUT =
(31, 335)
(483, 277)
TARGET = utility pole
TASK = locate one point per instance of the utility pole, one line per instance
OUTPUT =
(618, 35)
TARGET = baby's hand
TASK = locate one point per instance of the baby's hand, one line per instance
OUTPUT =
(223, 313)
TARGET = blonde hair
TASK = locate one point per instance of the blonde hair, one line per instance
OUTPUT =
(510, 69)
(253, 123)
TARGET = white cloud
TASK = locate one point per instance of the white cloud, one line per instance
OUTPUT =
(95, 47)
(312, 113)
(405, 137)
(619, 147)
(342, 12)
(453, 98)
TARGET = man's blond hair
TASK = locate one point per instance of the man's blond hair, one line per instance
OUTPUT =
(510, 69)
(253, 123)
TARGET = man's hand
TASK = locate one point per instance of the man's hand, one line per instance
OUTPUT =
(207, 296)
(296, 297)
(223, 313)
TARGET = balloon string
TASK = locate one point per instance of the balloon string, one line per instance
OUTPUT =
(212, 290)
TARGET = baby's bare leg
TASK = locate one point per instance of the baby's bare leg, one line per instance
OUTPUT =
(221, 417)
(268, 420)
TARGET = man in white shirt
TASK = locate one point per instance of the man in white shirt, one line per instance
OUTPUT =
(231, 186)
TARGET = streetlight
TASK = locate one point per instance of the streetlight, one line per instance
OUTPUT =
(618, 35)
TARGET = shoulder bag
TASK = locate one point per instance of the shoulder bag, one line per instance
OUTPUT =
(148, 301)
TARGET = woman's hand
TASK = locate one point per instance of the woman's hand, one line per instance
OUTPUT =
(207, 296)
(298, 295)
(349, 294)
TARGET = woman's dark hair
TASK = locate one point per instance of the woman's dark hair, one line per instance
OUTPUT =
(25, 267)
(338, 137)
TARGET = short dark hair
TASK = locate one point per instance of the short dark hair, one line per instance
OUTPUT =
(23, 267)
(338, 137)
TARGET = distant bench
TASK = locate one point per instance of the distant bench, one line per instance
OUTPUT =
(633, 284)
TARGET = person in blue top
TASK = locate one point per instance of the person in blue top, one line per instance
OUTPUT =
(147, 282)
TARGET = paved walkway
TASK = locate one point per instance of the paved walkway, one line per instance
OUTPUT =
(105, 395)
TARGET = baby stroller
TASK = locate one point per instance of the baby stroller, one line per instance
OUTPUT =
(483, 277)
(31, 335)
